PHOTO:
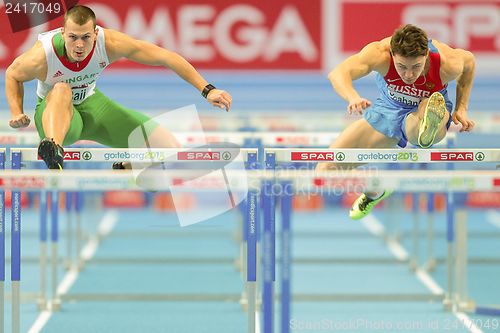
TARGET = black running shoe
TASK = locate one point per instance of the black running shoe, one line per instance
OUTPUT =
(51, 153)
(118, 166)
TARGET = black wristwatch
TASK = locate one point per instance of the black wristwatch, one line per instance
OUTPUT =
(207, 89)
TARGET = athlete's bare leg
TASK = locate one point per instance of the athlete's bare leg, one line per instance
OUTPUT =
(162, 138)
(56, 118)
(158, 138)
(413, 123)
(359, 134)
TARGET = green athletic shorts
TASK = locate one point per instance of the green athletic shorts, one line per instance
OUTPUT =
(98, 119)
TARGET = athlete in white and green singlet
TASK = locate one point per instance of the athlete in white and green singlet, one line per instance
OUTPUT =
(67, 62)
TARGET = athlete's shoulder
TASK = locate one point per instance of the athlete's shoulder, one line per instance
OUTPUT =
(116, 42)
(31, 64)
(453, 60)
(113, 36)
(378, 48)
(384, 45)
(35, 56)
(378, 54)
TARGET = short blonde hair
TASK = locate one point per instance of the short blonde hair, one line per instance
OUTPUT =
(80, 15)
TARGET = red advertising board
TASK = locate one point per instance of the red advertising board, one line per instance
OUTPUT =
(469, 24)
(222, 34)
(198, 156)
(452, 156)
(312, 156)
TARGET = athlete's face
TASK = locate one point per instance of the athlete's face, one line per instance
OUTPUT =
(78, 39)
(409, 68)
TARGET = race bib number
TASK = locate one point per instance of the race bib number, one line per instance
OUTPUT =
(79, 95)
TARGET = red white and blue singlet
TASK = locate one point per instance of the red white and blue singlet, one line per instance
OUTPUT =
(397, 99)
(410, 95)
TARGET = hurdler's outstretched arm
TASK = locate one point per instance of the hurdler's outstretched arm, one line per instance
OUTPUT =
(119, 45)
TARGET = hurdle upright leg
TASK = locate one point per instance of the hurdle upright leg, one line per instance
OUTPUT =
(54, 230)
(42, 298)
(69, 232)
(450, 235)
(431, 261)
(16, 250)
(286, 256)
(2, 248)
(268, 251)
(250, 260)
(464, 303)
(415, 233)
(79, 231)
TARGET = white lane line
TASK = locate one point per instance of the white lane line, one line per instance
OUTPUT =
(40, 321)
(397, 250)
(467, 322)
(89, 249)
(67, 281)
(374, 224)
(107, 223)
(429, 282)
(377, 229)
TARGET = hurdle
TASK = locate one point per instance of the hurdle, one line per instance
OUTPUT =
(2, 245)
(447, 182)
(215, 156)
(71, 180)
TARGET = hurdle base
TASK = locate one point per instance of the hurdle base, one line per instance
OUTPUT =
(80, 265)
(467, 306)
(55, 305)
(431, 265)
(448, 304)
(68, 265)
(244, 302)
(413, 265)
(41, 303)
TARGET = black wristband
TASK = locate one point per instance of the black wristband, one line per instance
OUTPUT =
(207, 89)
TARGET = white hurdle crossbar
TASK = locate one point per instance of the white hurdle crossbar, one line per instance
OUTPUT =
(356, 155)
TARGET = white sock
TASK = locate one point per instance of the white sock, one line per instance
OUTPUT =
(375, 195)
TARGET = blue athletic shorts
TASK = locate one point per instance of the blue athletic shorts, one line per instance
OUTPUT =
(390, 120)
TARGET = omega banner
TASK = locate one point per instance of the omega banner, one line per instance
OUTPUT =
(221, 34)
(280, 34)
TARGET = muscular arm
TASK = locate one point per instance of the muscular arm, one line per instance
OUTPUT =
(459, 65)
(26, 67)
(370, 58)
(373, 57)
(465, 80)
(119, 45)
